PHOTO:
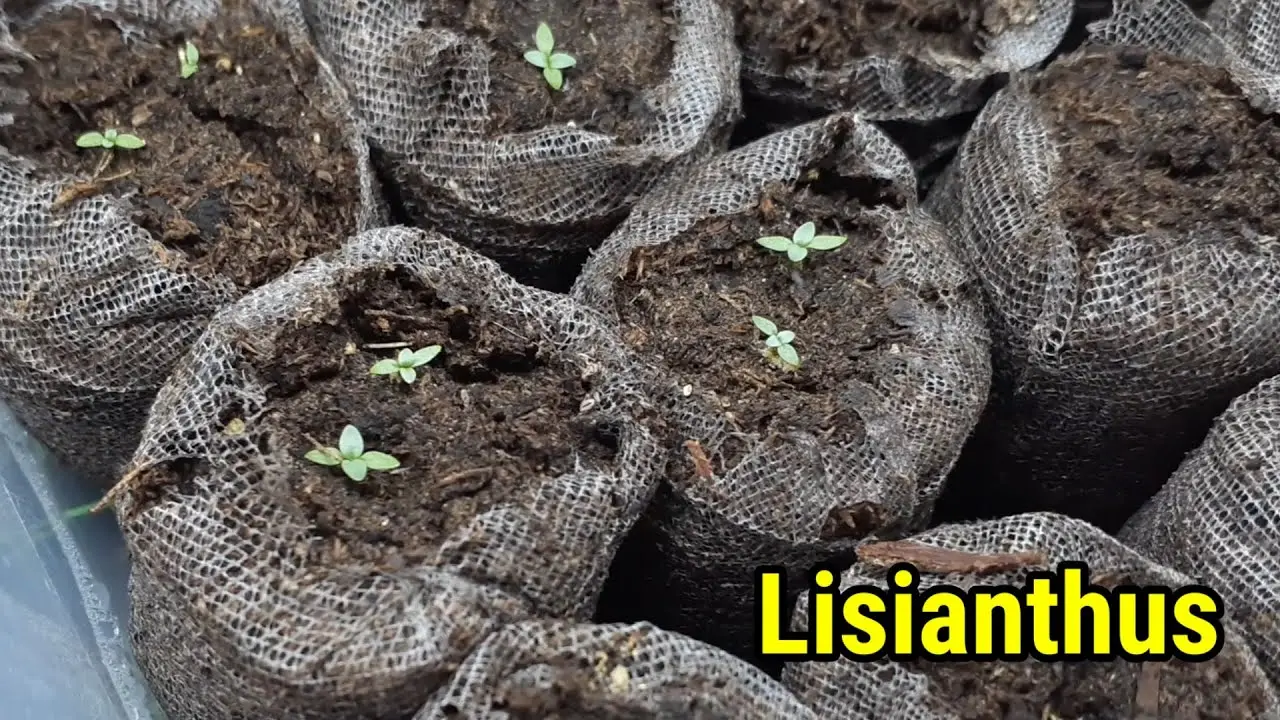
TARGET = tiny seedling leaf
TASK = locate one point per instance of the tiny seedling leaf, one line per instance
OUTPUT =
(543, 39)
(350, 444)
(408, 375)
(826, 242)
(562, 61)
(322, 457)
(192, 55)
(786, 337)
(405, 358)
(426, 355)
(788, 355)
(384, 367)
(772, 341)
(355, 468)
(554, 78)
(379, 461)
(129, 142)
(765, 325)
(796, 253)
(776, 243)
(804, 234)
(91, 140)
(536, 58)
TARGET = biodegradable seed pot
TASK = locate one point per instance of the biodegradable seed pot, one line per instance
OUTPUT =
(818, 357)
(472, 137)
(1132, 273)
(890, 59)
(244, 169)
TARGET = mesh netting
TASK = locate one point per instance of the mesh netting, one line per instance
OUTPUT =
(546, 669)
(918, 400)
(421, 88)
(888, 690)
(1215, 519)
(230, 618)
(96, 311)
(921, 83)
(1106, 360)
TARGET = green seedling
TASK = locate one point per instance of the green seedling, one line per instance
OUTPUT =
(405, 364)
(188, 59)
(777, 344)
(803, 240)
(109, 140)
(351, 456)
(552, 63)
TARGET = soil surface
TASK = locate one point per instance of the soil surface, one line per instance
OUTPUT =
(1152, 143)
(486, 419)
(828, 34)
(622, 48)
(241, 170)
(690, 301)
(1223, 688)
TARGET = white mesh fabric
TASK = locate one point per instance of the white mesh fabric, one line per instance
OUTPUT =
(228, 619)
(422, 98)
(1085, 362)
(923, 400)
(95, 315)
(886, 690)
(1216, 519)
(610, 672)
(905, 87)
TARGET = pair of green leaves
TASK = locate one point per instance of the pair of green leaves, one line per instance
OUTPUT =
(189, 60)
(778, 342)
(351, 456)
(545, 57)
(804, 239)
(406, 363)
(109, 139)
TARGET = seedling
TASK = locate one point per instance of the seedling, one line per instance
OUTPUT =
(351, 456)
(405, 364)
(189, 60)
(552, 63)
(803, 240)
(109, 140)
(777, 344)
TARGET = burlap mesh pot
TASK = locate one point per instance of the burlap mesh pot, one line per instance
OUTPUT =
(531, 200)
(1108, 363)
(915, 84)
(918, 401)
(1036, 541)
(1215, 519)
(230, 619)
(540, 669)
(95, 311)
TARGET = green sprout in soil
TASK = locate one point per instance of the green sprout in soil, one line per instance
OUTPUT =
(405, 364)
(352, 457)
(803, 240)
(777, 344)
(552, 63)
(109, 140)
(189, 59)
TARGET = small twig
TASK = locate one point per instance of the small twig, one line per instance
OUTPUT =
(125, 484)
(1146, 703)
(385, 346)
(701, 463)
(313, 441)
(943, 561)
(461, 475)
(80, 190)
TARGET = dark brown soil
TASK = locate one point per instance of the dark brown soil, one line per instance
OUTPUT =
(828, 34)
(241, 170)
(690, 301)
(485, 420)
(1151, 143)
(622, 48)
